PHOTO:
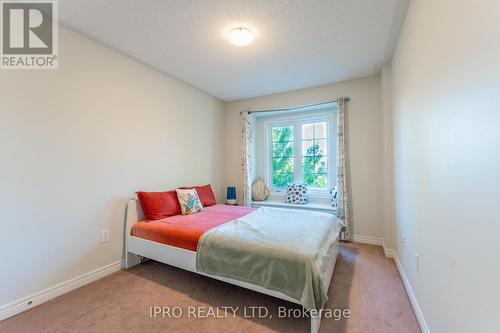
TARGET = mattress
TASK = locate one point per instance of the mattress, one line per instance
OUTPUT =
(184, 231)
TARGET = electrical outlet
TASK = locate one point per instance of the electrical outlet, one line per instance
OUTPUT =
(417, 261)
(403, 241)
(104, 236)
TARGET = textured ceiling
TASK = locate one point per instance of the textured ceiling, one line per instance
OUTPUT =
(299, 43)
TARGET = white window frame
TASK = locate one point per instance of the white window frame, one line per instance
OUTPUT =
(296, 121)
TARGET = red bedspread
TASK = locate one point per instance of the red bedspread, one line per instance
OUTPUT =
(184, 231)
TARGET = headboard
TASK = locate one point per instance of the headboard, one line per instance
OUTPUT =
(134, 213)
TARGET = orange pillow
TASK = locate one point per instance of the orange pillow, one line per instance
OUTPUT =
(158, 205)
(205, 193)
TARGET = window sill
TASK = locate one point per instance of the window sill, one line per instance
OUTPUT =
(313, 206)
(311, 194)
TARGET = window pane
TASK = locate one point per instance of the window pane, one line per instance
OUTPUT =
(309, 179)
(320, 181)
(309, 168)
(283, 149)
(314, 152)
(314, 164)
(308, 164)
(321, 147)
(284, 133)
(282, 172)
(320, 166)
(282, 164)
(320, 130)
(316, 180)
(307, 131)
(308, 148)
(282, 145)
(314, 148)
(282, 180)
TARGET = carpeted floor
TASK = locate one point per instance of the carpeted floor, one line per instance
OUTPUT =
(364, 281)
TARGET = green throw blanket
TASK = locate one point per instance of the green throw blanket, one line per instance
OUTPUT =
(278, 249)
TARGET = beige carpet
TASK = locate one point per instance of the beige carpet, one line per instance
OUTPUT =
(364, 282)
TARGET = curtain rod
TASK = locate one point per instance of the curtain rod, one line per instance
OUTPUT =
(347, 99)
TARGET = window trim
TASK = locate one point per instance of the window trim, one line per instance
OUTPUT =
(297, 120)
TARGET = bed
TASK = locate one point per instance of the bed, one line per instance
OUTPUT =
(244, 246)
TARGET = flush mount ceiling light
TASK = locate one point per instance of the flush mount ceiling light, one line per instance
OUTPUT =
(241, 36)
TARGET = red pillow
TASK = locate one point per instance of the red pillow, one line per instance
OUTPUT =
(205, 193)
(158, 205)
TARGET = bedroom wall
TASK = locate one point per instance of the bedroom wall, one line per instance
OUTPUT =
(446, 104)
(76, 143)
(364, 135)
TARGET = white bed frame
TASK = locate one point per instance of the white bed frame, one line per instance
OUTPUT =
(136, 247)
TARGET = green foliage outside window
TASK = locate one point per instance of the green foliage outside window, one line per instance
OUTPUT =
(315, 168)
(313, 165)
(283, 167)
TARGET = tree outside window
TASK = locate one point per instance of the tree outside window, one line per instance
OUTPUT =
(312, 155)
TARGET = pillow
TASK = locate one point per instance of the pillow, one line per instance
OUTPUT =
(205, 193)
(189, 201)
(158, 205)
(296, 193)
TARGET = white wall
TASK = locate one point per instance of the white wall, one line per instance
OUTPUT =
(446, 104)
(365, 143)
(76, 143)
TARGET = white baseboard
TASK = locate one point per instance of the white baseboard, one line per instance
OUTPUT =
(413, 300)
(389, 253)
(25, 303)
(367, 240)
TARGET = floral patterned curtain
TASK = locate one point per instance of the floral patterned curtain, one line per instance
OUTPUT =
(247, 136)
(343, 191)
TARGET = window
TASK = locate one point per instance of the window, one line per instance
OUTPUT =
(283, 156)
(302, 150)
(314, 155)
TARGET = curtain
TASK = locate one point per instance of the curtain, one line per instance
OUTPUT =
(342, 186)
(247, 136)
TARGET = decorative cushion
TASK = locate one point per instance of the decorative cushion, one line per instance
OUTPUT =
(296, 193)
(158, 205)
(205, 193)
(189, 201)
(260, 191)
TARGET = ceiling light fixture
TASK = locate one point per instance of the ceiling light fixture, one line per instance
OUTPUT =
(241, 36)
